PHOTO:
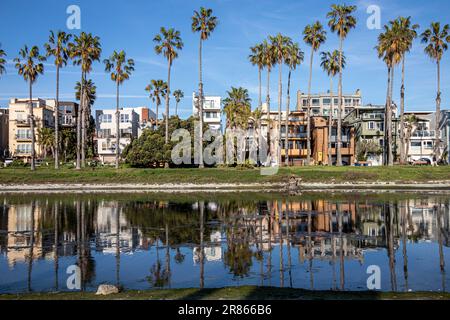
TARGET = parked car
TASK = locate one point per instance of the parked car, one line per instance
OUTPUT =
(8, 162)
(422, 162)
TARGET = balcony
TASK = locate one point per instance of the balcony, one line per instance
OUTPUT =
(22, 152)
(295, 152)
(22, 122)
(301, 135)
(23, 137)
(423, 134)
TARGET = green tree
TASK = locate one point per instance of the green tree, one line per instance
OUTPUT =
(178, 95)
(204, 23)
(58, 47)
(29, 65)
(2, 60)
(157, 90)
(167, 44)
(410, 123)
(437, 39)
(256, 58)
(314, 35)
(330, 64)
(85, 49)
(237, 108)
(341, 21)
(121, 69)
(293, 60)
(89, 97)
(46, 141)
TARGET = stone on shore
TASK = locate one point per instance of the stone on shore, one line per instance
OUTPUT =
(106, 289)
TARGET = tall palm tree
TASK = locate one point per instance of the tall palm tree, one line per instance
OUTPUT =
(293, 60)
(408, 33)
(120, 68)
(341, 21)
(46, 141)
(2, 60)
(269, 62)
(29, 65)
(89, 97)
(205, 23)
(410, 123)
(167, 43)
(237, 107)
(84, 51)
(437, 40)
(314, 35)
(178, 95)
(58, 47)
(256, 58)
(330, 64)
(280, 46)
(389, 49)
(157, 90)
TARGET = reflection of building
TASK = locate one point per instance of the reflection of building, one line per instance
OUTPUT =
(211, 110)
(212, 250)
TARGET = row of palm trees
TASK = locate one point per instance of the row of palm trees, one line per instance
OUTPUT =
(281, 50)
(84, 50)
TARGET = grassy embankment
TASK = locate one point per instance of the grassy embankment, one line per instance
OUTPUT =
(234, 293)
(158, 176)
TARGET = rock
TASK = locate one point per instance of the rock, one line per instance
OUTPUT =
(106, 289)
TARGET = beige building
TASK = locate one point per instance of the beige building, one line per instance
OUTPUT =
(321, 103)
(20, 129)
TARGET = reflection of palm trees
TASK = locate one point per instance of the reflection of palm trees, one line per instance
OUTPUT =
(341, 243)
(159, 277)
(288, 211)
(280, 217)
(167, 254)
(438, 208)
(333, 249)
(117, 245)
(56, 243)
(404, 237)
(310, 250)
(179, 257)
(201, 205)
(390, 241)
(30, 254)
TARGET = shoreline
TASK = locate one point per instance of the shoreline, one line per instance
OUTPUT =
(436, 186)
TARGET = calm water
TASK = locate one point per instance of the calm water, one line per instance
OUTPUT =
(142, 241)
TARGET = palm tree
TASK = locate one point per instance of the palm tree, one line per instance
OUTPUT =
(120, 68)
(293, 59)
(46, 141)
(389, 49)
(410, 123)
(167, 43)
(280, 46)
(341, 21)
(29, 65)
(237, 107)
(408, 33)
(269, 62)
(157, 90)
(437, 40)
(178, 95)
(85, 50)
(2, 61)
(89, 97)
(57, 47)
(203, 22)
(257, 59)
(315, 36)
(330, 64)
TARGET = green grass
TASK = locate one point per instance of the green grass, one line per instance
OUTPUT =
(406, 174)
(233, 293)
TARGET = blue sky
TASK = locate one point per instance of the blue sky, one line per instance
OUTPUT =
(131, 25)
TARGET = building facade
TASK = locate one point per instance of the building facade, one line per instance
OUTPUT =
(445, 133)
(321, 103)
(107, 134)
(211, 110)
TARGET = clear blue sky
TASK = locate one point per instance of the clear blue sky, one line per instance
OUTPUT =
(131, 25)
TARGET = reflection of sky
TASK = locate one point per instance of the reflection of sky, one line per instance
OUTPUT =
(423, 270)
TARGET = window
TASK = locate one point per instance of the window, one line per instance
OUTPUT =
(428, 144)
(315, 102)
(23, 134)
(371, 125)
(106, 118)
(124, 118)
(326, 101)
(348, 102)
(24, 148)
(305, 102)
(416, 144)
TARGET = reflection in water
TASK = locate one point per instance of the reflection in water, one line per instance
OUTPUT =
(142, 241)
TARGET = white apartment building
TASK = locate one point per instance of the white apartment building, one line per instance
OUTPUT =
(211, 110)
(320, 103)
(107, 135)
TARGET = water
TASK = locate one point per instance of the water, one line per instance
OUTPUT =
(314, 241)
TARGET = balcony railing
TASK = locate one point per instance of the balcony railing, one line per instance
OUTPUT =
(21, 137)
(424, 134)
(22, 122)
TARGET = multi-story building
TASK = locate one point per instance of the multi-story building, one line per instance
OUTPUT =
(107, 133)
(147, 119)
(445, 134)
(4, 134)
(321, 103)
(211, 110)
(20, 129)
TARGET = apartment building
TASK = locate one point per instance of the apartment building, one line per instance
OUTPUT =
(147, 119)
(445, 134)
(422, 139)
(20, 129)
(107, 134)
(4, 134)
(211, 110)
(321, 103)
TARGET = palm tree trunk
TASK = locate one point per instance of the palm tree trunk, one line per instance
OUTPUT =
(117, 126)
(339, 122)
(80, 107)
(33, 138)
(386, 121)
(56, 147)
(286, 138)
(402, 116)
(280, 98)
(83, 131)
(390, 140)
(330, 123)
(308, 112)
(176, 109)
(268, 115)
(200, 108)
(167, 102)
(437, 143)
(260, 88)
